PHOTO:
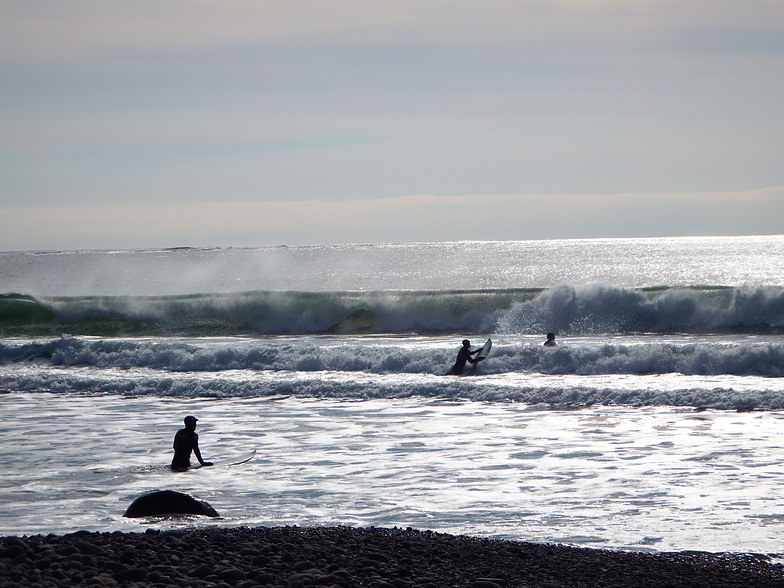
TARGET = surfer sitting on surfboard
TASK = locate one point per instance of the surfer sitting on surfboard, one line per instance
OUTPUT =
(463, 356)
(185, 441)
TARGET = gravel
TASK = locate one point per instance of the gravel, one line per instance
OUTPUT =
(344, 557)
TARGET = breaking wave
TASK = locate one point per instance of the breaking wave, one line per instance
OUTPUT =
(745, 358)
(568, 310)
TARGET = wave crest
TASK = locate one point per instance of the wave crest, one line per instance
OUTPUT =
(565, 309)
(608, 309)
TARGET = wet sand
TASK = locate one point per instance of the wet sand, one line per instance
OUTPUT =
(295, 557)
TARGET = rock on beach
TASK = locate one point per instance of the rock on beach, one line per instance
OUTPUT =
(168, 502)
(343, 557)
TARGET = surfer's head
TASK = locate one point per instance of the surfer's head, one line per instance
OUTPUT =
(466, 343)
(190, 422)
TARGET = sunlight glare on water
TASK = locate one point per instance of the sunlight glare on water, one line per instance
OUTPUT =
(605, 477)
(676, 261)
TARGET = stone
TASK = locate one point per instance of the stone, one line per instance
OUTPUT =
(131, 575)
(168, 502)
(231, 575)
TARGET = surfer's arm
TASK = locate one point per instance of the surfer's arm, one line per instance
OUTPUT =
(197, 453)
(474, 353)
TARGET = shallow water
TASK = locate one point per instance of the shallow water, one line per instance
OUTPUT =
(617, 477)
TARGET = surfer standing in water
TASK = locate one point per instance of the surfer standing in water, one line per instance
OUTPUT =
(185, 441)
(463, 356)
(550, 340)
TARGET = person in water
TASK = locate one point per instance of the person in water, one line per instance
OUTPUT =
(463, 356)
(186, 441)
(550, 340)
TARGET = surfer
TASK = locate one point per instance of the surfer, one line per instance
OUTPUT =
(463, 356)
(185, 441)
(550, 340)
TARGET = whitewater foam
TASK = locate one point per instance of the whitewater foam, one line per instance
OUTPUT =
(738, 372)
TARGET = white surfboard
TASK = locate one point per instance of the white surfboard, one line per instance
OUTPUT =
(232, 460)
(485, 349)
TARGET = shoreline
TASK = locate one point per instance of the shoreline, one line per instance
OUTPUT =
(347, 557)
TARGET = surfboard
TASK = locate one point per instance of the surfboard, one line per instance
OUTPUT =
(231, 460)
(485, 349)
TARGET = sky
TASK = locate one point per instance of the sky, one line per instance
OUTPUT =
(167, 123)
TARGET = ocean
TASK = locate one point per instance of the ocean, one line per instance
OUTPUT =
(653, 424)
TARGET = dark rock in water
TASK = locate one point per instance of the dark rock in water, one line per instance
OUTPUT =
(168, 502)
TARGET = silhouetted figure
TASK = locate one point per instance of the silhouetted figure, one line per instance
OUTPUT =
(185, 441)
(463, 356)
(550, 340)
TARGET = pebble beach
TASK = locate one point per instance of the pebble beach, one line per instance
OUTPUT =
(344, 557)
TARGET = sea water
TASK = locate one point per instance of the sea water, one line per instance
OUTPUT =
(655, 423)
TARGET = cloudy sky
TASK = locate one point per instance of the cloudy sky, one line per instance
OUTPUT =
(168, 123)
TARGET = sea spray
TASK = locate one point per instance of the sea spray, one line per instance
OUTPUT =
(566, 309)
